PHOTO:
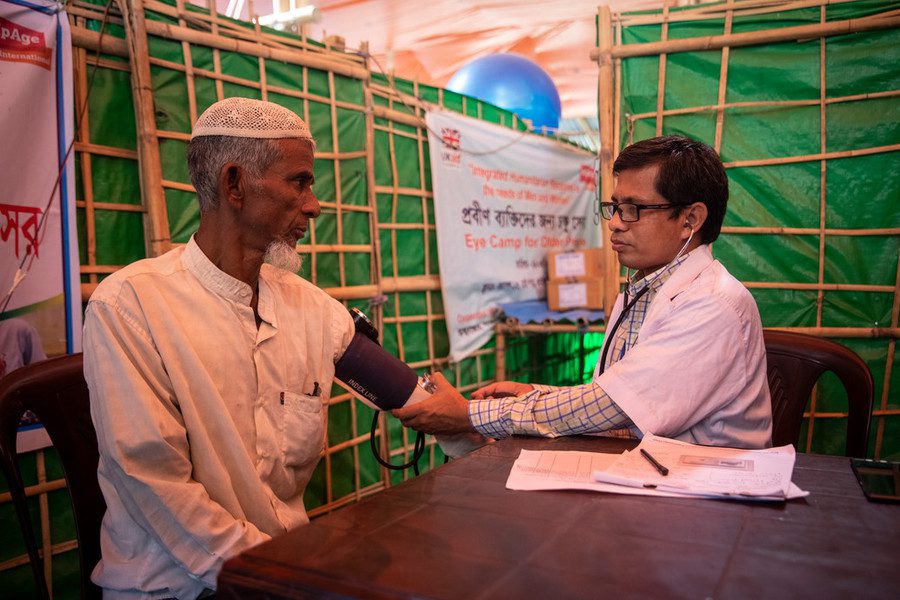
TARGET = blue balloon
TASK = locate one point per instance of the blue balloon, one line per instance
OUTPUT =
(512, 82)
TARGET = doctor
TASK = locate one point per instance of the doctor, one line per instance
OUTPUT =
(683, 355)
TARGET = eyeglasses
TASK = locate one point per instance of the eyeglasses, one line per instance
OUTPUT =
(629, 212)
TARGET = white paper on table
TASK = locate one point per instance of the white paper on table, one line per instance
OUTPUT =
(569, 470)
(706, 470)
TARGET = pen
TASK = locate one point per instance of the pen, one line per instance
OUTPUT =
(662, 470)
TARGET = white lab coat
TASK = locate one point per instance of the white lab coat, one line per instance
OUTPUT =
(697, 372)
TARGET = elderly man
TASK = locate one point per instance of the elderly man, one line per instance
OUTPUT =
(684, 354)
(210, 366)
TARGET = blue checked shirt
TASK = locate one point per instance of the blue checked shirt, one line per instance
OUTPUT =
(550, 411)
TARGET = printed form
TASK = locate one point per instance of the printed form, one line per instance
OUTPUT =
(691, 471)
(567, 470)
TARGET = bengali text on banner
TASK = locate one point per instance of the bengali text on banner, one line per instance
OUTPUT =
(503, 199)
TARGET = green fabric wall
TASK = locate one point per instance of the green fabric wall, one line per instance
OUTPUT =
(861, 192)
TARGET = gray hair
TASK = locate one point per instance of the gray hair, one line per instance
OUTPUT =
(208, 154)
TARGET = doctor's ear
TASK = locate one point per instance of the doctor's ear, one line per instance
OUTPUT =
(695, 216)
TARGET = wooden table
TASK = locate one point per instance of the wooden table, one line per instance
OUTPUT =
(456, 532)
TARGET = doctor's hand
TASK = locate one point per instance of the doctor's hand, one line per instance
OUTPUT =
(445, 413)
(502, 389)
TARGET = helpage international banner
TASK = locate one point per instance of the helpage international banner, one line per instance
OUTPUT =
(40, 298)
(503, 200)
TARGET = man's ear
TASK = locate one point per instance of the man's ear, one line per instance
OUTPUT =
(232, 184)
(695, 216)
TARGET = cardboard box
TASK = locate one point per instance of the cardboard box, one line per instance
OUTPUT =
(580, 263)
(575, 292)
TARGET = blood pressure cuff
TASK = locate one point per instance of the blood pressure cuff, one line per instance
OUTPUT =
(376, 377)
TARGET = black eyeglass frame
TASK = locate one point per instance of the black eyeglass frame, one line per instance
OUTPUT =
(615, 208)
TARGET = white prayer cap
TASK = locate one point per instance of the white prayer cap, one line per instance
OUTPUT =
(247, 118)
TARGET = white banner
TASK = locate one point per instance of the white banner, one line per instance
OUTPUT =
(503, 199)
(40, 292)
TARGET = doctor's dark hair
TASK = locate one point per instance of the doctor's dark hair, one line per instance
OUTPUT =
(689, 171)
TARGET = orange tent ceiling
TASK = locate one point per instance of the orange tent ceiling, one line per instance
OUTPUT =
(431, 39)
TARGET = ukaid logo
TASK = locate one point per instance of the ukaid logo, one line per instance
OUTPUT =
(21, 44)
(450, 139)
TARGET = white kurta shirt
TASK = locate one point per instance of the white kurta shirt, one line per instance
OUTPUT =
(697, 372)
(209, 427)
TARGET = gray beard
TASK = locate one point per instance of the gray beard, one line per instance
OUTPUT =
(283, 255)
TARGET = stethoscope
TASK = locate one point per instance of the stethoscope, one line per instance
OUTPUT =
(612, 332)
(628, 305)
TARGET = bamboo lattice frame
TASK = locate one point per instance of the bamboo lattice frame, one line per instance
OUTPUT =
(610, 54)
(399, 116)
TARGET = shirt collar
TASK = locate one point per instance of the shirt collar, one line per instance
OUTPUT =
(268, 275)
(213, 278)
(657, 278)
